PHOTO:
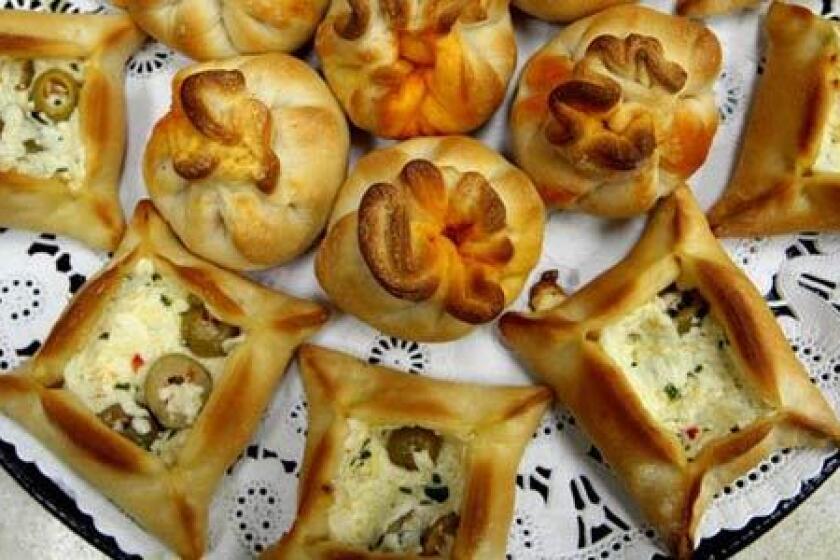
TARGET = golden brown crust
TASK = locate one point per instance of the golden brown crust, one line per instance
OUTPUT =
(90, 212)
(776, 186)
(401, 74)
(561, 346)
(247, 163)
(430, 238)
(617, 110)
(564, 10)
(702, 8)
(495, 424)
(210, 29)
(170, 502)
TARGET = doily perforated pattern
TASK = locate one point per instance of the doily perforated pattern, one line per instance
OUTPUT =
(568, 503)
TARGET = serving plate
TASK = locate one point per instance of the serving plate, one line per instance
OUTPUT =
(568, 503)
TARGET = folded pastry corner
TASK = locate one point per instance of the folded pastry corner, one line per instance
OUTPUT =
(430, 238)
(156, 376)
(403, 69)
(673, 364)
(787, 178)
(617, 110)
(401, 466)
(62, 122)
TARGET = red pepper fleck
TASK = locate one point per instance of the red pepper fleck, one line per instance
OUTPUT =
(692, 432)
(137, 362)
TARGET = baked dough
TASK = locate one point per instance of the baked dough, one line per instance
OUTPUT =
(404, 68)
(246, 165)
(169, 499)
(564, 10)
(79, 199)
(617, 110)
(788, 174)
(430, 238)
(702, 8)
(670, 477)
(210, 29)
(492, 425)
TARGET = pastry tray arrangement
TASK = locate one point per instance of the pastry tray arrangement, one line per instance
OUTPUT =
(568, 502)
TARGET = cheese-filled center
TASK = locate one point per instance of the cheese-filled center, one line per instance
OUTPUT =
(150, 363)
(40, 127)
(397, 489)
(679, 360)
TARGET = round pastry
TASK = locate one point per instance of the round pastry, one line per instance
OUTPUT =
(617, 110)
(564, 10)
(403, 68)
(246, 164)
(210, 29)
(430, 238)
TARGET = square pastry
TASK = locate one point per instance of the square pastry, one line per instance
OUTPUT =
(673, 364)
(787, 178)
(401, 466)
(156, 376)
(62, 122)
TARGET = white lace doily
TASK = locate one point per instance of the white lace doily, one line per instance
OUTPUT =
(568, 503)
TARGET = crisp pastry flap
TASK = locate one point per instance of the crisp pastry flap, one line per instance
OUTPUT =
(787, 178)
(63, 127)
(673, 364)
(156, 376)
(404, 466)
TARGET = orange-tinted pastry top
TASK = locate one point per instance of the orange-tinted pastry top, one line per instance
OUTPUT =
(404, 68)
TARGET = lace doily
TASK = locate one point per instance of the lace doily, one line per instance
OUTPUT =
(569, 504)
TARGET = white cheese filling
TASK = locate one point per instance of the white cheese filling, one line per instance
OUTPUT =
(141, 323)
(828, 156)
(30, 143)
(385, 507)
(688, 381)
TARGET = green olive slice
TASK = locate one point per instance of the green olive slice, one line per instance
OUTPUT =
(55, 93)
(175, 370)
(204, 334)
(116, 418)
(437, 537)
(403, 443)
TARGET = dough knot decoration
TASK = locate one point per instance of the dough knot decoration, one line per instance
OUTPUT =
(226, 134)
(404, 68)
(597, 122)
(416, 238)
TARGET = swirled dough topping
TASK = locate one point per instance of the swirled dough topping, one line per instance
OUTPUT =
(40, 134)
(432, 222)
(397, 489)
(678, 359)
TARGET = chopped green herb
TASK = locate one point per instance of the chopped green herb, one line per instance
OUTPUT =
(123, 386)
(698, 368)
(437, 493)
(672, 392)
(156, 276)
(634, 364)
(363, 455)
(104, 336)
(164, 299)
(436, 478)
(734, 429)
(405, 490)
